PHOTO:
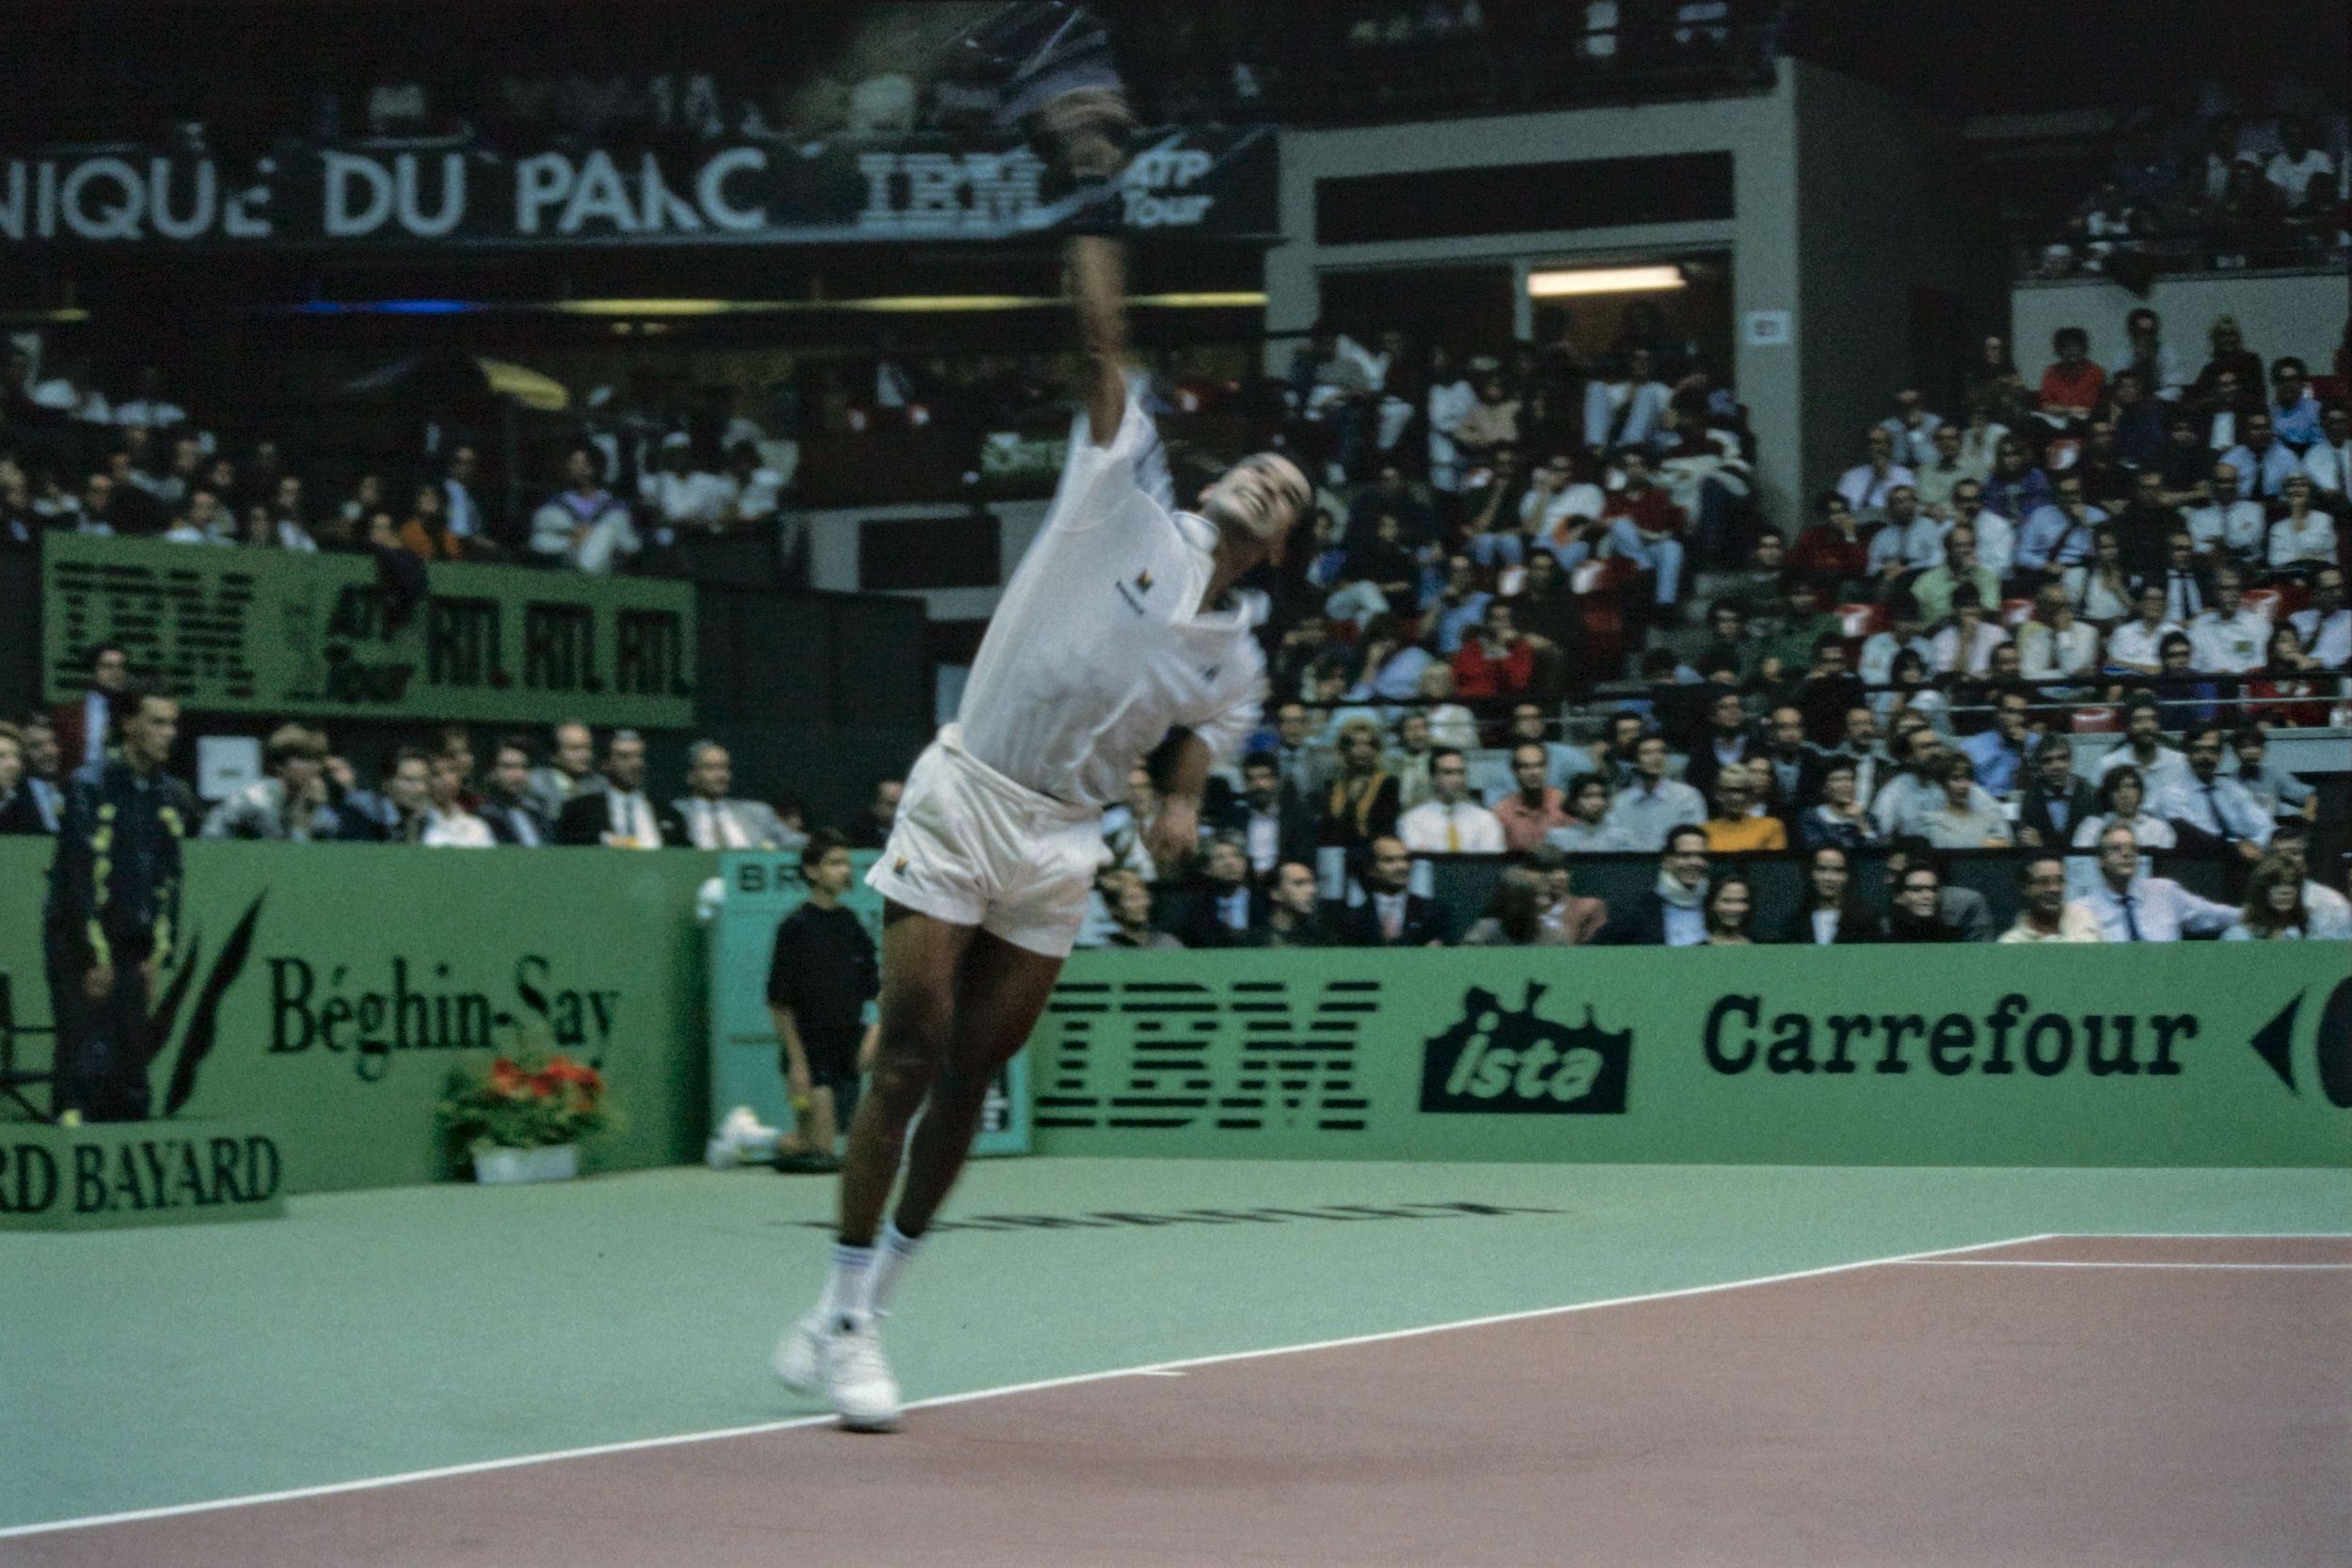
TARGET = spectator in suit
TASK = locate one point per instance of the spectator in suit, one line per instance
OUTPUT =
(2131, 906)
(1226, 907)
(1293, 916)
(1917, 913)
(1392, 915)
(1515, 918)
(713, 818)
(1961, 909)
(2326, 629)
(290, 805)
(2044, 912)
(2057, 801)
(881, 814)
(619, 815)
(569, 771)
(2211, 811)
(395, 811)
(1672, 913)
(84, 728)
(1840, 821)
(45, 765)
(21, 809)
(1830, 916)
(1131, 913)
(1362, 803)
(1726, 743)
(507, 806)
(1269, 816)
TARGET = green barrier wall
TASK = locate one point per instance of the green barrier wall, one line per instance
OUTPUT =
(762, 889)
(2206, 1053)
(327, 990)
(261, 631)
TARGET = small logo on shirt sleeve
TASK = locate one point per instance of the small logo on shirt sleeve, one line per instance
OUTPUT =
(898, 866)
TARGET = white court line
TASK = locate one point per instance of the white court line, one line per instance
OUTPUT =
(2199, 1236)
(2082, 1263)
(1156, 1369)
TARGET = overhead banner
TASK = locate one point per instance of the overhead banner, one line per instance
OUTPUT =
(265, 631)
(1212, 181)
(323, 991)
(2204, 1053)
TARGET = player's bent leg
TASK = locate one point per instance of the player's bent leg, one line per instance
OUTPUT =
(1000, 994)
(920, 956)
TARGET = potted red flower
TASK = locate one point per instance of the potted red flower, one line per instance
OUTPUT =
(524, 1117)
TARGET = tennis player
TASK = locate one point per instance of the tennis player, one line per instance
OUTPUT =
(1123, 636)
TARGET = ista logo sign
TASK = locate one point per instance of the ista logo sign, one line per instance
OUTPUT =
(1496, 1061)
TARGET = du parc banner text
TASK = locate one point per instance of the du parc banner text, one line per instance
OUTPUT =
(1210, 182)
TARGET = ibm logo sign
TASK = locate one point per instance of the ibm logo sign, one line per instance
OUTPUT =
(1239, 1056)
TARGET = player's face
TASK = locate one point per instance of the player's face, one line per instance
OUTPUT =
(1266, 495)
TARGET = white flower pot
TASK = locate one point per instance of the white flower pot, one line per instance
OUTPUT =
(556, 1162)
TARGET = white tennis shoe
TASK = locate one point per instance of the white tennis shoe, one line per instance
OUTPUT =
(840, 1360)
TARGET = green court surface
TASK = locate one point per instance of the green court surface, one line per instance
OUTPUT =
(371, 1334)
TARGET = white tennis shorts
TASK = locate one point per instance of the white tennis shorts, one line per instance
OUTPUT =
(973, 848)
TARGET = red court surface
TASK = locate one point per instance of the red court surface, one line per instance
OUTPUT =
(2135, 1402)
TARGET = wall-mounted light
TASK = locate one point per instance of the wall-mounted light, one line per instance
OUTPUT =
(1562, 283)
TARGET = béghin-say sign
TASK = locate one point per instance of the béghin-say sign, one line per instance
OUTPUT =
(1205, 179)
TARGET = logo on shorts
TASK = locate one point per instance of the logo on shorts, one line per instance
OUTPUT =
(1496, 1061)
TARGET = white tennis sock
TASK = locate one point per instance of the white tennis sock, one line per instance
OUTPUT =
(892, 1256)
(845, 1288)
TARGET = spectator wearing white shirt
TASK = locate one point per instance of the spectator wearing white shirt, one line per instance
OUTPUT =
(1965, 646)
(2228, 638)
(2053, 644)
(1875, 666)
(448, 825)
(1587, 831)
(2100, 589)
(1904, 799)
(1913, 428)
(2123, 802)
(2263, 463)
(1450, 398)
(2134, 907)
(585, 525)
(1450, 822)
(1940, 471)
(2211, 811)
(2280, 794)
(1996, 536)
(1652, 803)
(2229, 524)
(2304, 175)
(714, 819)
(2330, 911)
(2137, 646)
(1625, 412)
(2044, 912)
(1866, 485)
(2305, 538)
(2329, 461)
(458, 501)
(1554, 496)
(1910, 540)
(150, 408)
(756, 490)
(74, 394)
(2143, 745)
(681, 495)
(2326, 627)
(2147, 354)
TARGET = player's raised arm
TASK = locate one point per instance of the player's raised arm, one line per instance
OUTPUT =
(1098, 287)
(1087, 127)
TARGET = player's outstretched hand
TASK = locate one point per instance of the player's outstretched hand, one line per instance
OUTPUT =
(1088, 128)
(1175, 833)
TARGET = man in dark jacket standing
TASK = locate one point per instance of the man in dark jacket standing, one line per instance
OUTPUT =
(114, 913)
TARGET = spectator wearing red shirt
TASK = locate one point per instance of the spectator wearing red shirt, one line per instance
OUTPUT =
(1534, 808)
(1495, 659)
(1645, 528)
(2077, 384)
(1837, 546)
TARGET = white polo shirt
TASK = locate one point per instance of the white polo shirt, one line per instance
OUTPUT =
(1096, 650)
(1464, 828)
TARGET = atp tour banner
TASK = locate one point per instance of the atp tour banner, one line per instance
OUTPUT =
(746, 1057)
(322, 993)
(2205, 1054)
(263, 631)
(1213, 182)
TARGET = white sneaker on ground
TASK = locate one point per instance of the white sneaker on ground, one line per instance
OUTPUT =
(800, 1360)
(857, 1379)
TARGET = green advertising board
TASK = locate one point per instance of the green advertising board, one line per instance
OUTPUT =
(121, 1174)
(269, 632)
(326, 991)
(2204, 1053)
(760, 889)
